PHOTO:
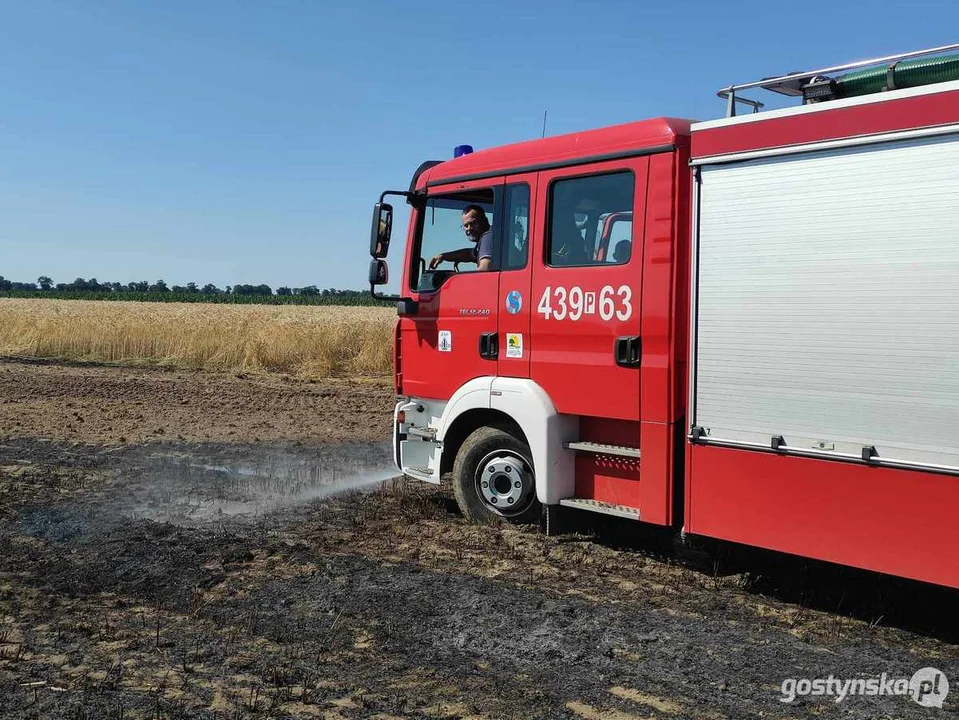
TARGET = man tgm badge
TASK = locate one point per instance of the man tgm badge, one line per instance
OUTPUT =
(445, 343)
(514, 345)
(514, 302)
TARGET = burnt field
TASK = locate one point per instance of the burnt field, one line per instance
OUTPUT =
(189, 545)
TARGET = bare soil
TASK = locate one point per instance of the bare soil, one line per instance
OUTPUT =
(188, 545)
(99, 404)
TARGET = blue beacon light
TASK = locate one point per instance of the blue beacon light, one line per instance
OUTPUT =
(461, 150)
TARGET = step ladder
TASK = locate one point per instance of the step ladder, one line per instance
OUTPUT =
(599, 506)
(603, 449)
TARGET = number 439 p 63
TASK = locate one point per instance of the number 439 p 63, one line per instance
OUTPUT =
(561, 304)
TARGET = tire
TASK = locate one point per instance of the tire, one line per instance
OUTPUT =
(493, 478)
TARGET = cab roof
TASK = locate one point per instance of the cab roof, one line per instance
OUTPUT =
(578, 148)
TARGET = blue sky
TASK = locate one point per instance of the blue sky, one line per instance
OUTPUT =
(245, 142)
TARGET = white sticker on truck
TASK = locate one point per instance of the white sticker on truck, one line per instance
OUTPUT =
(560, 303)
(445, 343)
(514, 345)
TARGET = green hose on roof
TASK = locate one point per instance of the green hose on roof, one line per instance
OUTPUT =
(905, 74)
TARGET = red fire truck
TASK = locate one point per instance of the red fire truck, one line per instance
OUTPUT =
(745, 328)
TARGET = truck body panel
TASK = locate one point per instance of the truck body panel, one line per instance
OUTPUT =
(825, 357)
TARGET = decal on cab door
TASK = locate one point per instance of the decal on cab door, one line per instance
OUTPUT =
(514, 302)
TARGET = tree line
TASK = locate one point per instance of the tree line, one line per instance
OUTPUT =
(191, 292)
(46, 284)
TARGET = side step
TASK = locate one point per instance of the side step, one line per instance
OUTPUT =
(425, 433)
(601, 507)
(602, 449)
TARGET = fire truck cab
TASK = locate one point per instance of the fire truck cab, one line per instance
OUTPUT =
(744, 328)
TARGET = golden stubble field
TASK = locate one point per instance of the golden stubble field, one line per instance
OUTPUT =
(307, 341)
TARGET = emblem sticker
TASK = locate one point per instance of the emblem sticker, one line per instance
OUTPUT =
(514, 302)
(514, 345)
(445, 343)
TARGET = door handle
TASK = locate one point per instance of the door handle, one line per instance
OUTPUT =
(628, 351)
(489, 345)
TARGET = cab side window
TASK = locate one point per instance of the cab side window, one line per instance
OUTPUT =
(516, 230)
(590, 220)
(440, 230)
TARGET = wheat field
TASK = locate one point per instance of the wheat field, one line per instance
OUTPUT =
(306, 341)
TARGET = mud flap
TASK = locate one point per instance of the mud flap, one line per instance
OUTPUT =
(694, 552)
(555, 520)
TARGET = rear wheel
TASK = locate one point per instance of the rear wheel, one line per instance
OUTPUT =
(493, 478)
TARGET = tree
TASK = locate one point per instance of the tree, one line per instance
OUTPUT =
(46, 284)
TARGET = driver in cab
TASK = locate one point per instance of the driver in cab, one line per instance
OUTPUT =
(477, 229)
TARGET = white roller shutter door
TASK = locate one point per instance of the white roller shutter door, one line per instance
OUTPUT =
(828, 301)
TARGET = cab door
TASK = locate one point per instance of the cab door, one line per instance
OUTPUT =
(449, 337)
(586, 318)
(513, 261)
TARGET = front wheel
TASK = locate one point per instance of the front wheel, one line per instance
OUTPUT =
(493, 478)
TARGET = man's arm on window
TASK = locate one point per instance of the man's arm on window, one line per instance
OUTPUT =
(454, 256)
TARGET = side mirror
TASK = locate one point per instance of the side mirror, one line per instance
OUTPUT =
(379, 272)
(381, 230)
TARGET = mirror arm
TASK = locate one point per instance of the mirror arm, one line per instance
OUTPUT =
(404, 305)
(403, 193)
(416, 198)
(383, 298)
